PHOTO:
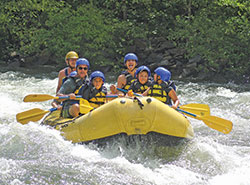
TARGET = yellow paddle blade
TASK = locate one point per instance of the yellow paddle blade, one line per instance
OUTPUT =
(196, 108)
(220, 124)
(85, 107)
(38, 97)
(30, 115)
(84, 102)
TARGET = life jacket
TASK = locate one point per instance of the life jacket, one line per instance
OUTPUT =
(78, 84)
(129, 79)
(160, 92)
(172, 84)
(137, 87)
(66, 74)
(95, 97)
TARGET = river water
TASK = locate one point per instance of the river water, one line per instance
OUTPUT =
(35, 154)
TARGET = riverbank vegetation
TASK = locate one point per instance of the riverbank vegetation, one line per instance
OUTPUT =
(103, 31)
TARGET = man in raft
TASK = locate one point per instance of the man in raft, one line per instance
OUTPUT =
(70, 59)
(71, 88)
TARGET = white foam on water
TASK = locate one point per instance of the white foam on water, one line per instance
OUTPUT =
(226, 92)
(238, 174)
(210, 158)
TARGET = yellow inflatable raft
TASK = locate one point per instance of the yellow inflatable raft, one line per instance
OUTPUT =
(138, 116)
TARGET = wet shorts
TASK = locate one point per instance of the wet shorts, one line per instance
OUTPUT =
(65, 111)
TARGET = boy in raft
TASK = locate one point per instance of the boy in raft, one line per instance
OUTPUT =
(71, 87)
(94, 91)
(142, 83)
(168, 77)
(161, 90)
(126, 78)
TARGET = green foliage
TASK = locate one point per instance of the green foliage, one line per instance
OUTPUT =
(104, 30)
(219, 32)
(21, 20)
(57, 27)
(83, 30)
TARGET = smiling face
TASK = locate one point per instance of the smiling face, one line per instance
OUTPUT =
(157, 79)
(130, 64)
(143, 77)
(97, 82)
(82, 70)
(72, 62)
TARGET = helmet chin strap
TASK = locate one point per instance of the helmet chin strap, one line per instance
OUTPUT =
(132, 69)
(70, 66)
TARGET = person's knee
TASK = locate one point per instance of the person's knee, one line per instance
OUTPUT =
(74, 110)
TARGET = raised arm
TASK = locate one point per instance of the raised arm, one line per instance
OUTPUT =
(173, 96)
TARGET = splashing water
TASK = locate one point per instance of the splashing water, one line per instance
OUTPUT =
(35, 154)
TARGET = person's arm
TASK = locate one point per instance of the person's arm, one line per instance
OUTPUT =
(56, 104)
(67, 88)
(146, 92)
(61, 75)
(113, 89)
(173, 96)
(121, 82)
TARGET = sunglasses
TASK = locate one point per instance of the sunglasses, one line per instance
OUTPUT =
(81, 68)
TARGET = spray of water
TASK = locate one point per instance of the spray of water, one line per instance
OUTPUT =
(35, 154)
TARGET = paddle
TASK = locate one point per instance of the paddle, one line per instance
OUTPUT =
(195, 108)
(85, 107)
(45, 97)
(123, 90)
(36, 114)
(219, 124)
(32, 115)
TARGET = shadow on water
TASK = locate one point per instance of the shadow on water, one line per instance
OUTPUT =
(151, 150)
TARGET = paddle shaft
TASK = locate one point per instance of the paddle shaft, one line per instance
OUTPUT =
(67, 97)
(52, 109)
(123, 90)
(45, 97)
(191, 114)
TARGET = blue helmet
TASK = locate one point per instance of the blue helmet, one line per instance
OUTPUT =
(163, 73)
(97, 74)
(130, 56)
(73, 73)
(82, 61)
(143, 68)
